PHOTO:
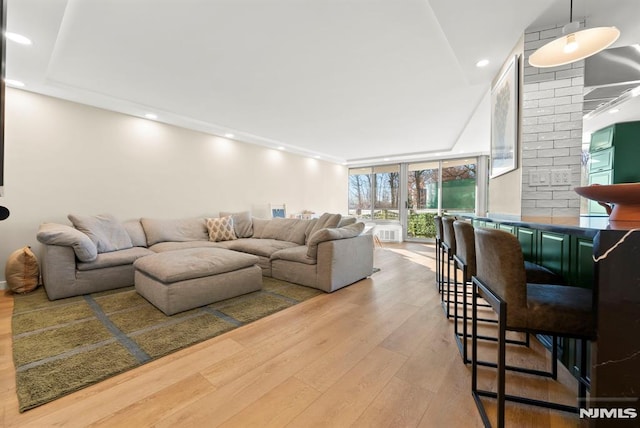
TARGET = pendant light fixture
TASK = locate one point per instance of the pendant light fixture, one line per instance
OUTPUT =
(574, 45)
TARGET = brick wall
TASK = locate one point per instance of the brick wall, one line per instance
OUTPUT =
(552, 101)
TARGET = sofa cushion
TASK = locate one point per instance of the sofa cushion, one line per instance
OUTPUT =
(22, 271)
(294, 254)
(67, 236)
(193, 263)
(178, 230)
(136, 232)
(326, 220)
(260, 247)
(331, 234)
(285, 229)
(307, 233)
(104, 230)
(115, 258)
(221, 229)
(242, 224)
(346, 221)
(161, 247)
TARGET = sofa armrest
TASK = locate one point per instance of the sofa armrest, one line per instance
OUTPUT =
(344, 261)
(67, 236)
(58, 270)
(332, 233)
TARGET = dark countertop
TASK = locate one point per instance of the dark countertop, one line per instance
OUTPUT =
(585, 226)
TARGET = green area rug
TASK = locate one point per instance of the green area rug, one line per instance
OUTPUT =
(68, 344)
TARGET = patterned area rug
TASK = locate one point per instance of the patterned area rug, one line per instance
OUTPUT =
(65, 345)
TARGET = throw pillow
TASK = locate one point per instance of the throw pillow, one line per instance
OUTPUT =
(221, 229)
(242, 224)
(22, 271)
(104, 230)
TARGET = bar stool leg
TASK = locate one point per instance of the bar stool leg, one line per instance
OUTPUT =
(447, 310)
(554, 357)
(582, 379)
(438, 262)
(502, 350)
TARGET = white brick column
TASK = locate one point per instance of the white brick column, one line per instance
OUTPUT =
(551, 133)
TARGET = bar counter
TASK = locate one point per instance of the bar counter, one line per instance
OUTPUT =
(604, 256)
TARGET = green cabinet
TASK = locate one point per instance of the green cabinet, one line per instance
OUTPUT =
(529, 242)
(599, 177)
(554, 252)
(601, 139)
(582, 270)
(614, 157)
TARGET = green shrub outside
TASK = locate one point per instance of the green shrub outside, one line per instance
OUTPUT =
(421, 225)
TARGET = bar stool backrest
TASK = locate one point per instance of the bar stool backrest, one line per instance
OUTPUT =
(465, 246)
(500, 266)
(449, 235)
(438, 222)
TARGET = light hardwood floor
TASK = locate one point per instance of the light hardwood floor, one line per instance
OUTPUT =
(379, 353)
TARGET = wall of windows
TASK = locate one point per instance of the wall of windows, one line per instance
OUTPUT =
(411, 194)
(374, 192)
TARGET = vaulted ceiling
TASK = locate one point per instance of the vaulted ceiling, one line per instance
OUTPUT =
(339, 79)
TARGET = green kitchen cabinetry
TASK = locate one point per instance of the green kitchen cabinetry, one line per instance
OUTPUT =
(614, 154)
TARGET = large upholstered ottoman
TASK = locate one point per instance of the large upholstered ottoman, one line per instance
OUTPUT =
(175, 281)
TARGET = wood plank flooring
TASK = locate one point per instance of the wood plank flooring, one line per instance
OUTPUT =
(379, 353)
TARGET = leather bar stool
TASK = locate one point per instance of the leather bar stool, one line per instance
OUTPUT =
(465, 260)
(554, 310)
(449, 250)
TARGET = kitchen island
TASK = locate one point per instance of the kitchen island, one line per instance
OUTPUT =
(605, 257)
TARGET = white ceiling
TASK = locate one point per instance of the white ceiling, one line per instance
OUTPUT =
(339, 79)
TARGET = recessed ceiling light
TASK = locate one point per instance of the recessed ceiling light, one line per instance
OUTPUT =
(280, 147)
(482, 63)
(387, 159)
(635, 91)
(151, 116)
(18, 38)
(229, 135)
(614, 110)
(14, 83)
(317, 157)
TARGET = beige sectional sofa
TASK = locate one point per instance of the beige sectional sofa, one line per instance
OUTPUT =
(97, 253)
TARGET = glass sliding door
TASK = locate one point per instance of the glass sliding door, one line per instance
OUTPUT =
(409, 195)
(360, 192)
(422, 198)
(386, 204)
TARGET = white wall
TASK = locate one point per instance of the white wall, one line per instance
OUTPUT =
(62, 157)
(505, 191)
(476, 135)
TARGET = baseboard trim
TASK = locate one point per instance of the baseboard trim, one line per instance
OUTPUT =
(3, 285)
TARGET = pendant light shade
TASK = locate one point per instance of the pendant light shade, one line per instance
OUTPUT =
(574, 45)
